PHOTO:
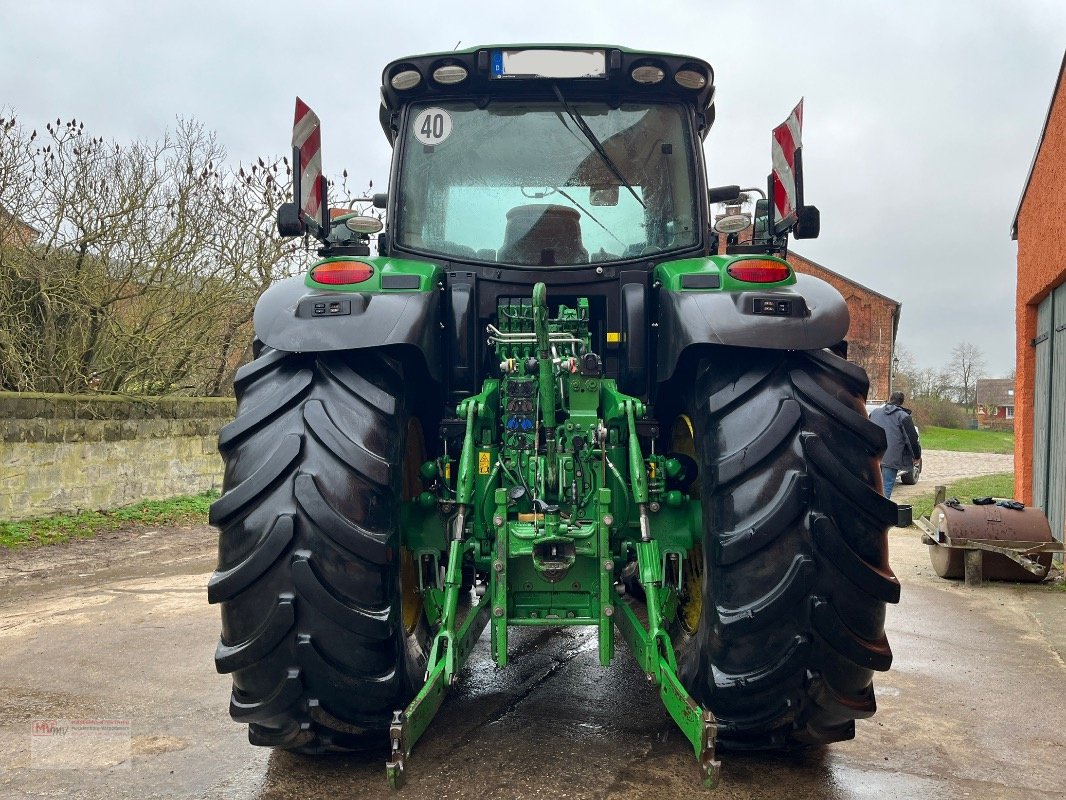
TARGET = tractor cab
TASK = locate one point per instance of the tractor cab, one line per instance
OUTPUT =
(545, 157)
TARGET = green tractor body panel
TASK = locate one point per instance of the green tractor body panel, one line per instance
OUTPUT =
(388, 275)
(515, 407)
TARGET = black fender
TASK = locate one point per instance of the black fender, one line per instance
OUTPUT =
(291, 317)
(817, 317)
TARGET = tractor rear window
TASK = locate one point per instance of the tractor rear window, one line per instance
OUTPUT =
(520, 183)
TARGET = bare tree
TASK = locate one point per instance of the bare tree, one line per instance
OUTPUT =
(967, 364)
(919, 382)
(904, 369)
(144, 263)
(932, 383)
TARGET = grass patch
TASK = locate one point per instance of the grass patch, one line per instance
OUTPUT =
(189, 510)
(998, 485)
(967, 441)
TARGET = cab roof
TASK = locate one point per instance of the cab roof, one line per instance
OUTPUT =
(487, 78)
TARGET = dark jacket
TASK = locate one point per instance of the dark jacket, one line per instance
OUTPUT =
(903, 445)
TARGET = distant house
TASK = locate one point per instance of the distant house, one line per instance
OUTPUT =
(1040, 409)
(995, 403)
(874, 324)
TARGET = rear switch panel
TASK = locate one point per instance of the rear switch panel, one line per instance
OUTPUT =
(777, 307)
(324, 307)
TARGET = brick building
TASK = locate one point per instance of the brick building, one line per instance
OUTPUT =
(874, 317)
(14, 232)
(1040, 317)
(995, 403)
(874, 323)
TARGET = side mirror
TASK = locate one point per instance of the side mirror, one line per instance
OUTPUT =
(289, 222)
(808, 223)
(603, 195)
(380, 200)
(761, 231)
(723, 194)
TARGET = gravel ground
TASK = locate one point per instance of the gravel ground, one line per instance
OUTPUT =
(107, 554)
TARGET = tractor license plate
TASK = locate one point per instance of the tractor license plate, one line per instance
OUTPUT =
(549, 64)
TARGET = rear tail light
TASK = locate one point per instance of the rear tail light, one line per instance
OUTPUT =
(335, 273)
(757, 270)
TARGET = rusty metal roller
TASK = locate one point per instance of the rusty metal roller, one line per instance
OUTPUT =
(967, 527)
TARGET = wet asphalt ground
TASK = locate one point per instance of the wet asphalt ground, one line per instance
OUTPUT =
(973, 706)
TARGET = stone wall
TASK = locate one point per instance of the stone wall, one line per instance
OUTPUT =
(64, 453)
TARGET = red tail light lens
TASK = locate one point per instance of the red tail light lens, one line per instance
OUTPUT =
(336, 273)
(757, 270)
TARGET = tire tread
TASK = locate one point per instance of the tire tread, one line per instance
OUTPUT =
(796, 572)
(308, 559)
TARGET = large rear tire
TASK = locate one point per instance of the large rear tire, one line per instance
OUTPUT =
(314, 630)
(788, 627)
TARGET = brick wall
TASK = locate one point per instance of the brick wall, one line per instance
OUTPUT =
(1041, 228)
(62, 453)
(874, 319)
(871, 337)
(14, 232)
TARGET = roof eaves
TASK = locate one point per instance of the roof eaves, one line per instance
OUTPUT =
(1036, 153)
(995, 391)
(19, 220)
(846, 278)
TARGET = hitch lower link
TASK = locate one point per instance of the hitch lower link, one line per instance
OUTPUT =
(654, 653)
(652, 646)
(454, 639)
(451, 648)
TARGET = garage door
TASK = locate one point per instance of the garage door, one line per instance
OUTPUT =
(1049, 417)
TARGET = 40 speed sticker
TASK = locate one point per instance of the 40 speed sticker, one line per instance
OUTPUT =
(432, 126)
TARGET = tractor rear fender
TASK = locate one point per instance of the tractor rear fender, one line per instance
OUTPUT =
(292, 317)
(808, 315)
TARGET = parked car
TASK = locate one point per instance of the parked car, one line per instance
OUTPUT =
(908, 477)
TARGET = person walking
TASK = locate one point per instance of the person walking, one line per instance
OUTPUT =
(903, 445)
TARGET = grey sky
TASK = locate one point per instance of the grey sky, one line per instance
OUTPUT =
(921, 118)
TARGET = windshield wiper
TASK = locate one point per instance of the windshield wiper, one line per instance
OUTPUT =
(582, 126)
(589, 214)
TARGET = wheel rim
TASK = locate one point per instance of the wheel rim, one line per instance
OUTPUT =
(690, 608)
(411, 602)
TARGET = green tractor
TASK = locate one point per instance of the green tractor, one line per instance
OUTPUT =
(550, 401)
